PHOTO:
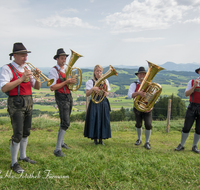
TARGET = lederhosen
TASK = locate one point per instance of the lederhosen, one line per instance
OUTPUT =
(20, 106)
(139, 116)
(193, 112)
(64, 101)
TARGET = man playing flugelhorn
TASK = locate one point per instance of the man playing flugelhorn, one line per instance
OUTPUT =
(63, 97)
(20, 104)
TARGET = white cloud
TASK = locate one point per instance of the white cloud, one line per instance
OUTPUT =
(142, 39)
(59, 21)
(195, 20)
(69, 11)
(147, 15)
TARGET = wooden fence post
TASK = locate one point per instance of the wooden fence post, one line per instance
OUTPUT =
(169, 115)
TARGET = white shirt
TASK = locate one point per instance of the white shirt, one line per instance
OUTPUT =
(189, 85)
(6, 74)
(53, 74)
(89, 84)
(132, 88)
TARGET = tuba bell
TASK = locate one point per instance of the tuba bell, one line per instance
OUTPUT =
(38, 77)
(152, 90)
(74, 72)
(98, 97)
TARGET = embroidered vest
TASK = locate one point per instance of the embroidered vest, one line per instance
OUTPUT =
(25, 87)
(61, 79)
(137, 86)
(195, 96)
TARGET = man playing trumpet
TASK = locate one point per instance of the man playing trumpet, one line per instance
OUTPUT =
(63, 98)
(13, 82)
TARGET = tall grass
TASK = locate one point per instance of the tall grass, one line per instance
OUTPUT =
(117, 165)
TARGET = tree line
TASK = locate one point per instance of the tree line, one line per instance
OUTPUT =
(159, 111)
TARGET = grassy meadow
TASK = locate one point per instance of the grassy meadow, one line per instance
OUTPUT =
(117, 165)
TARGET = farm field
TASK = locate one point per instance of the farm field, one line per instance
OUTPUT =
(116, 103)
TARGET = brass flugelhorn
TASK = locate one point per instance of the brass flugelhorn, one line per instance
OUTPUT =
(74, 72)
(152, 90)
(38, 76)
(98, 97)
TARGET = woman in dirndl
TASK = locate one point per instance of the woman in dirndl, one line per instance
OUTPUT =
(97, 124)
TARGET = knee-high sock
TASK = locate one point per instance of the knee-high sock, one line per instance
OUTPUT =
(23, 145)
(60, 138)
(62, 142)
(14, 149)
(139, 133)
(196, 139)
(184, 137)
(147, 135)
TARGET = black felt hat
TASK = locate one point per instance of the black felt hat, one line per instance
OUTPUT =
(60, 52)
(197, 70)
(18, 48)
(140, 70)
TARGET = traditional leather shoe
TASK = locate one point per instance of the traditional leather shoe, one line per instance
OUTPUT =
(101, 142)
(95, 142)
(147, 146)
(195, 149)
(59, 153)
(138, 142)
(27, 159)
(17, 168)
(65, 146)
(179, 147)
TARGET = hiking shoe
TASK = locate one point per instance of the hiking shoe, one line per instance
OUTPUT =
(138, 142)
(27, 159)
(16, 168)
(147, 146)
(58, 153)
(65, 146)
(179, 147)
(195, 149)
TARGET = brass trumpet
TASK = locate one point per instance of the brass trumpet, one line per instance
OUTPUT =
(74, 72)
(38, 77)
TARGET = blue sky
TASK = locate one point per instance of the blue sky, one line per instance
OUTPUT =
(105, 32)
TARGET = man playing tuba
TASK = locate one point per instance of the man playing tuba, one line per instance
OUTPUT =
(63, 97)
(139, 116)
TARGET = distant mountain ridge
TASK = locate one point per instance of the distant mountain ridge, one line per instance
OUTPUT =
(170, 66)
